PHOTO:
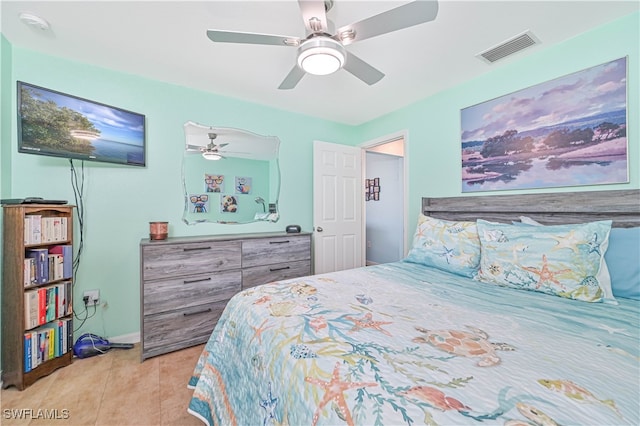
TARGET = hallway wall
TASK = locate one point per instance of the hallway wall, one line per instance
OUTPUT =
(384, 218)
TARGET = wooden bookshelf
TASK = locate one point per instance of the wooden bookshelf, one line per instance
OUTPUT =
(15, 249)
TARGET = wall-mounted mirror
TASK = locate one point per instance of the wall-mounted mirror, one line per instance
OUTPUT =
(229, 175)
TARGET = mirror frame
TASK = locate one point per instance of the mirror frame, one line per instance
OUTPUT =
(222, 141)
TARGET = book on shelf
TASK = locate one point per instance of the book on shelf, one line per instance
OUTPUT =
(29, 272)
(31, 309)
(40, 229)
(42, 305)
(51, 304)
(47, 342)
(56, 267)
(41, 257)
(66, 251)
(61, 300)
(33, 229)
(47, 304)
(27, 352)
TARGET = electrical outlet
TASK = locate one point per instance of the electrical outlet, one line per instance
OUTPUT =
(94, 297)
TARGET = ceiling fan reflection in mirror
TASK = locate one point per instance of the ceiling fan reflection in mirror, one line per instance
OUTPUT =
(211, 151)
(323, 51)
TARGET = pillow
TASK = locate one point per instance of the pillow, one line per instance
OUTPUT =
(450, 246)
(562, 260)
(623, 260)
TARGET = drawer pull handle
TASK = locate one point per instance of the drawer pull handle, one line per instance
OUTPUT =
(279, 269)
(197, 281)
(279, 242)
(196, 248)
(204, 311)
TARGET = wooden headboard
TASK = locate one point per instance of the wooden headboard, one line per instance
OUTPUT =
(621, 206)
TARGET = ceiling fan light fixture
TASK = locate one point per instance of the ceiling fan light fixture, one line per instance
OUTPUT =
(347, 36)
(214, 156)
(34, 21)
(321, 56)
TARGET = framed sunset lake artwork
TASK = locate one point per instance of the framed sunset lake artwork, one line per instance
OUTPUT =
(569, 131)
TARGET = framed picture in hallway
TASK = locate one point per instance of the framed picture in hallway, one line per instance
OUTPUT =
(565, 132)
(372, 189)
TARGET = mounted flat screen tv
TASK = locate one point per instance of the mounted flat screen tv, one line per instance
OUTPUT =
(60, 125)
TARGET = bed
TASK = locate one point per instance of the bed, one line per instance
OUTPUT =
(433, 340)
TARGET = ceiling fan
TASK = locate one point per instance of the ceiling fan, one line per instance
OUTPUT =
(211, 151)
(323, 50)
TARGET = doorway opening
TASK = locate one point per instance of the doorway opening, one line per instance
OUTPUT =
(384, 199)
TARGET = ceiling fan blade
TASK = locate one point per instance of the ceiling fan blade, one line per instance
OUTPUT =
(195, 148)
(252, 38)
(408, 15)
(292, 79)
(362, 70)
(313, 15)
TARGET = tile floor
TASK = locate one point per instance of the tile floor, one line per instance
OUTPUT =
(112, 389)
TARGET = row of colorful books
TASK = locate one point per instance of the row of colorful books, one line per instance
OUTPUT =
(42, 230)
(46, 304)
(47, 342)
(44, 265)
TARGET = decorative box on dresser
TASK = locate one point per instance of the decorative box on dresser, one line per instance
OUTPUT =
(37, 307)
(186, 282)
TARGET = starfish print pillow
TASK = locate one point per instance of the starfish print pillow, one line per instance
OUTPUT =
(450, 246)
(561, 260)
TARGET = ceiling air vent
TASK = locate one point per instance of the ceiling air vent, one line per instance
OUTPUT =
(509, 47)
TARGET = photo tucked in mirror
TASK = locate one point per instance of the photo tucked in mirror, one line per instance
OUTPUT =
(229, 175)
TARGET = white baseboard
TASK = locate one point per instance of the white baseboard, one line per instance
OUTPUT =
(126, 338)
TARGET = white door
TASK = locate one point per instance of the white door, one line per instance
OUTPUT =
(337, 207)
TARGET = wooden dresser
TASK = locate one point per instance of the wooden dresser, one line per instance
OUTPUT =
(185, 282)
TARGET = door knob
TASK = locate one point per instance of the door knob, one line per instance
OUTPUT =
(319, 229)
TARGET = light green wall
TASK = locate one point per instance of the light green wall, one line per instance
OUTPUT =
(5, 131)
(120, 201)
(5, 115)
(433, 124)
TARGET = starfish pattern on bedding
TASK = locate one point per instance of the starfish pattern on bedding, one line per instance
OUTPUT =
(262, 300)
(447, 254)
(334, 391)
(259, 330)
(465, 259)
(545, 274)
(570, 241)
(594, 245)
(611, 330)
(269, 404)
(368, 322)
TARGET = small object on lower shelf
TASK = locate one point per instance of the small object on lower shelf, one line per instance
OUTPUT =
(158, 230)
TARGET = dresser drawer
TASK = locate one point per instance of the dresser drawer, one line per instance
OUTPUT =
(182, 328)
(189, 258)
(189, 291)
(265, 274)
(266, 251)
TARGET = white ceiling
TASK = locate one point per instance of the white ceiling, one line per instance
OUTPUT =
(166, 41)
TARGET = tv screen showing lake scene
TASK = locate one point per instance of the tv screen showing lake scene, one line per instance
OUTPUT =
(569, 131)
(60, 125)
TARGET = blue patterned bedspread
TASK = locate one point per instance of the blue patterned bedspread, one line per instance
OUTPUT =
(405, 344)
